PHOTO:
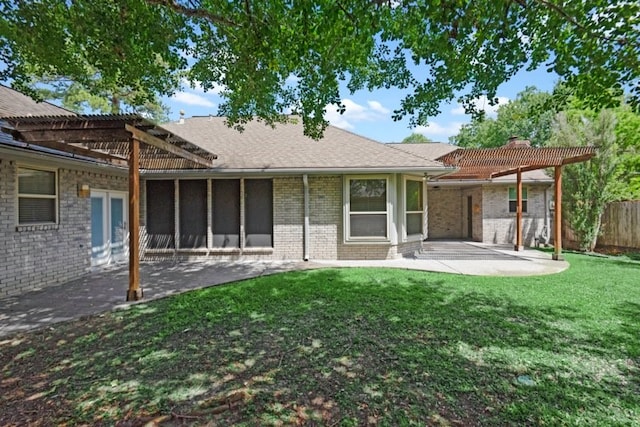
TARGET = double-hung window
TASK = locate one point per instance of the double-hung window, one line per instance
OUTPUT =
(367, 209)
(37, 196)
(513, 199)
(414, 206)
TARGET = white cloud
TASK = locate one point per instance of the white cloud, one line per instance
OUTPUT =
(193, 99)
(482, 103)
(377, 107)
(437, 132)
(355, 113)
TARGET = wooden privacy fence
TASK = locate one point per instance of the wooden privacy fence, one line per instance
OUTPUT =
(621, 225)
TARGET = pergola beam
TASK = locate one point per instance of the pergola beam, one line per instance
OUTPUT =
(164, 145)
(519, 246)
(557, 215)
(134, 293)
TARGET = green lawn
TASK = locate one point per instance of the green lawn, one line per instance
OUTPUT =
(347, 347)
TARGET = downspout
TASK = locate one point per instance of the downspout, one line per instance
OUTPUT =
(305, 231)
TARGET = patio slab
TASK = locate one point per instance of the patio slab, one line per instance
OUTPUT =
(105, 290)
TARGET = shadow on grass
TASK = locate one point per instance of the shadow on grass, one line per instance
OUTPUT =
(357, 346)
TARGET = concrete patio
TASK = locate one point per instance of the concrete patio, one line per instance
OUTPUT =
(105, 290)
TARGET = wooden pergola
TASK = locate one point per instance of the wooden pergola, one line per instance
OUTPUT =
(517, 157)
(126, 141)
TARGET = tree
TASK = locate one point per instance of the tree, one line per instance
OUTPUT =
(81, 99)
(529, 116)
(433, 49)
(416, 138)
(588, 187)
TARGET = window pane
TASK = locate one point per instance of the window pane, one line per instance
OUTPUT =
(513, 195)
(226, 213)
(32, 211)
(414, 223)
(368, 195)
(31, 181)
(414, 195)
(193, 213)
(513, 206)
(258, 212)
(368, 225)
(160, 214)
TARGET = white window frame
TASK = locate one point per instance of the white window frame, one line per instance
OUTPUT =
(54, 196)
(406, 212)
(347, 210)
(525, 191)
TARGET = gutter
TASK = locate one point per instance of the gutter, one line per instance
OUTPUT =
(24, 154)
(305, 228)
(433, 172)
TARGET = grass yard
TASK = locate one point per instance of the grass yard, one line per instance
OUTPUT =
(346, 347)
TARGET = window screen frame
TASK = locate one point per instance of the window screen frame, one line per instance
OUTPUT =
(171, 243)
(407, 212)
(514, 201)
(55, 197)
(348, 238)
(248, 213)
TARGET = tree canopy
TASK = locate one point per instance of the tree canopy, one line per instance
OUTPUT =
(256, 48)
(415, 138)
(530, 116)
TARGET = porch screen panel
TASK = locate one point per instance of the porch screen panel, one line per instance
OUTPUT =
(258, 212)
(160, 214)
(226, 213)
(193, 213)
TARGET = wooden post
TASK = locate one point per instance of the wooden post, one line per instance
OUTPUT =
(135, 292)
(518, 245)
(557, 215)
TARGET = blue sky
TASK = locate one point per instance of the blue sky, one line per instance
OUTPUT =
(369, 113)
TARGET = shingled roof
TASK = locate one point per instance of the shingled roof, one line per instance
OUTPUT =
(14, 103)
(284, 148)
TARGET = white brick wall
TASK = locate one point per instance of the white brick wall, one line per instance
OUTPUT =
(40, 256)
(499, 225)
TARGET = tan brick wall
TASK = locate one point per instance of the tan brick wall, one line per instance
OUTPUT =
(288, 218)
(444, 213)
(476, 213)
(499, 225)
(44, 255)
(325, 216)
(325, 227)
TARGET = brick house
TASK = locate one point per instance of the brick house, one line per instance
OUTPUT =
(484, 210)
(271, 194)
(46, 223)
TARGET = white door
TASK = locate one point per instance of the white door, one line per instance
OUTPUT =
(109, 234)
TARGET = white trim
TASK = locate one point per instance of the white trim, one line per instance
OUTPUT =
(55, 197)
(347, 210)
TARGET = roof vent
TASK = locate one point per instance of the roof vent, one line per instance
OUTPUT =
(181, 121)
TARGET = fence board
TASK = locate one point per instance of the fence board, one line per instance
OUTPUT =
(621, 225)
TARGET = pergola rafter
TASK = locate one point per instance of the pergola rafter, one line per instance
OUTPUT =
(117, 140)
(517, 157)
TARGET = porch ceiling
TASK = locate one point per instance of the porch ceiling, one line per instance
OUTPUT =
(106, 139)
(485, 163)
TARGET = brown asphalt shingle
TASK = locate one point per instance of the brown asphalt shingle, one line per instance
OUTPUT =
(14, 104)
(260, 147)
